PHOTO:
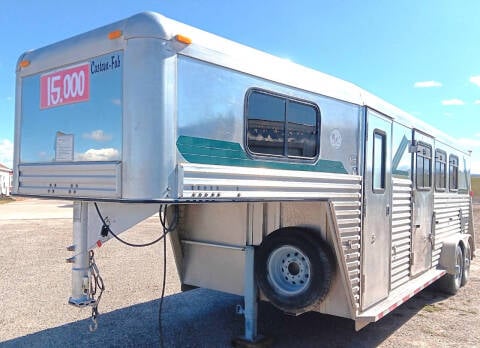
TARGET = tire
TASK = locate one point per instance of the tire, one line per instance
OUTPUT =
(451, 283)
(293, 269)
(466, 266)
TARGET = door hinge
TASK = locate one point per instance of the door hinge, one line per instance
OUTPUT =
(413, 147)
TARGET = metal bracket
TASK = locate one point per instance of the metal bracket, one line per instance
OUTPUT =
(413, 147)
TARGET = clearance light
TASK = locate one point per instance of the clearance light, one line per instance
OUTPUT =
(24, 63)
(183, 39)
(114, 34)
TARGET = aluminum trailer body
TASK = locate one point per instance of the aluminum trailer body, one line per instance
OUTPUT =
(324, 196)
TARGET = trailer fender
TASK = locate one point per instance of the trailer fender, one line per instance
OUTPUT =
(447, 255)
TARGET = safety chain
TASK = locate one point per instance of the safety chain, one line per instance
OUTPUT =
(96, 283)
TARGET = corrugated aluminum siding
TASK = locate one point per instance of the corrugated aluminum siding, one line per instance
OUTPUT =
(348, 215)
(450, 209)
(211, 182)
(71, 180)
(401, 231)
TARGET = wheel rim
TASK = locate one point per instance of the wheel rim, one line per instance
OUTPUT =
(466, 264)
(288, 270)
(458, 267)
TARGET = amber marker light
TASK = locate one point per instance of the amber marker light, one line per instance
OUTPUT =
(183, 39)
(114, 34)
(24, 63)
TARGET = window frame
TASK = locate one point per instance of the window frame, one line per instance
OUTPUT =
(283, 157)
(430, 172)
(383, 174)
(450, 166)
(437, 187)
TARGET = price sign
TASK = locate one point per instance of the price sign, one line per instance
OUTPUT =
(66, 86)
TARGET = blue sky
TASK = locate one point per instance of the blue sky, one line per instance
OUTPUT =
(422, 56)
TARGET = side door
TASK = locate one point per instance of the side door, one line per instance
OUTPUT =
(376, 238)
(421, 257)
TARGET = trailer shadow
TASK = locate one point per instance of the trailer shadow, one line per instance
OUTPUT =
(319, 330)
(205, 318)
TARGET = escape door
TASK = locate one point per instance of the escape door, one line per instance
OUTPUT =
(376, 238)
(421, 257)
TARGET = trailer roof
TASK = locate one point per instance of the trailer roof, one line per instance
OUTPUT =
(216, 49)
(224, 52)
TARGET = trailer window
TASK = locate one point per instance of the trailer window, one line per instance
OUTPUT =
(424, 167)
(440, 170)
(463, 174)
(281, 126)
(453, 173)
(378, 165)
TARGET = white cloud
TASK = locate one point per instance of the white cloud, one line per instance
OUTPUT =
(477, 101)
(116, 102)
(108, 154)
(452, 102)
(427, 84)
(6, 153)
(475, 80)
(97, 135)
(469, 144)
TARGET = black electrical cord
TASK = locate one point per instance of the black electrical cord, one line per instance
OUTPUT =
(164, 281)
(161, 211)
(162, 214)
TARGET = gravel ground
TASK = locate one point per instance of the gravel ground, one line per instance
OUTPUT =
(35, 285)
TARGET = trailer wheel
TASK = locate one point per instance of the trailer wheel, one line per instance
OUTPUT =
(450, 283)
(466, 266)
(293, 269)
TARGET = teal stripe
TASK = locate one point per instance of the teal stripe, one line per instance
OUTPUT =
(225, 153)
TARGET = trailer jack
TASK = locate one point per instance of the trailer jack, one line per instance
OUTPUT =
(250, 310)
(86, 279)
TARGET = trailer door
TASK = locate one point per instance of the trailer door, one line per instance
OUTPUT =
(376, 239)
(421, 258)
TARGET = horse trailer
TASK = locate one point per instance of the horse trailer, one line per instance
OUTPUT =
(273, 181)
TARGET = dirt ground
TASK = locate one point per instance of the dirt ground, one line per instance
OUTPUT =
(35, 286)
